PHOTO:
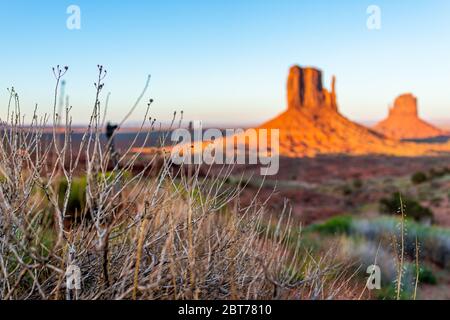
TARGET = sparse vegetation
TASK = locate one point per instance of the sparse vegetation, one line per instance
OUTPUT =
(439, 173)
(177, 235)
(381, 241)
(335, 225)
(434, 241)
(358, 183)
(414, 209)
(347, 190)
(427, 276)
(419, 177)
(77, 195)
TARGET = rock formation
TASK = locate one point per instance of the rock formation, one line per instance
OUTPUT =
(403, 121)
(312, 124)
(305, 91)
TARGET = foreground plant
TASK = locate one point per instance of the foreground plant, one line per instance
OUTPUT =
(177, 234)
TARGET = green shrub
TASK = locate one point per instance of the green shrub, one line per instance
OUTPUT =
(413, 209)
(110, 176)
(439, 173)
(427, 276)
(357, 183)
(419, 177)
(434, 241)
(77, 196)
(336, 225)
(390, 293)
(347, 190)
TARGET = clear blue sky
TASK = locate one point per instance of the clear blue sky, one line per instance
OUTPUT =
(227, 61)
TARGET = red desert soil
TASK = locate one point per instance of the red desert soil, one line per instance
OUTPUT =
(403, 121)
(309, 200)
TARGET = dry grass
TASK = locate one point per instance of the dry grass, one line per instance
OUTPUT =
(172, 236)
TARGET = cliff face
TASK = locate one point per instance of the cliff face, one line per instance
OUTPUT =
(305, 90)
(312, 124)
(404, 106)
(403, 121)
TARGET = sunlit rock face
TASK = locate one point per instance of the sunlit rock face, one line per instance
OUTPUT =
(312, 124)
(305, 89)
(403, 121)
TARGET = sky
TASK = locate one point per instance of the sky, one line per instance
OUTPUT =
(226, 61)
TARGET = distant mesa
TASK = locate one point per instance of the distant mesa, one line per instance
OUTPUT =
(313, 125)
(403, 121)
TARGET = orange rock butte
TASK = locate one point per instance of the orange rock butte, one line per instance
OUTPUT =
(313, 125)
(403, 121)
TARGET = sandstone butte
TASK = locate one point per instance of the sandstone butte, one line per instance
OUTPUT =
(403, 121)
(313, 125)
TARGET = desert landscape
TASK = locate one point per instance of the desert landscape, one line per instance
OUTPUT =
(333, 170)
(274, 151)
(345, 192)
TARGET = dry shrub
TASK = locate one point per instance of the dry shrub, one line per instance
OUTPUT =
(177, 235)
